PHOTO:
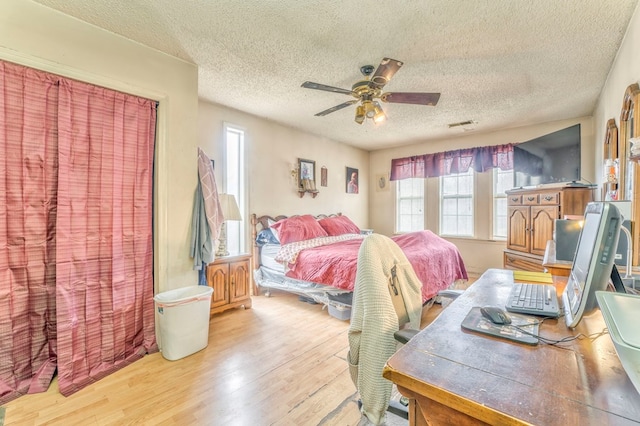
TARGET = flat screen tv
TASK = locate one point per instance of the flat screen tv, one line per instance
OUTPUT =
(552, 158)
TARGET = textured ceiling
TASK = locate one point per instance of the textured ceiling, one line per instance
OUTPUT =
(501, 63)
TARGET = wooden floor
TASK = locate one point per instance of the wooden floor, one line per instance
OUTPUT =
(282, 362)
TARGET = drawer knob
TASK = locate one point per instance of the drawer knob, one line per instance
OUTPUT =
(548, 198)
(531, 198)
(514, 199)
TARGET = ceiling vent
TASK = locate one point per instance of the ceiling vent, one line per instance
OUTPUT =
(465, 126)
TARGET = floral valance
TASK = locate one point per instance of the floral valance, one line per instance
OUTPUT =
(444, 163)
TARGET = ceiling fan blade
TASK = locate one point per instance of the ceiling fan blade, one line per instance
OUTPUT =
(336, 108)
(318, 86)
(411, 98)
(387, 68)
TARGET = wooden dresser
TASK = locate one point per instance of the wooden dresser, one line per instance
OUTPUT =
(230, 278)
(531, 221)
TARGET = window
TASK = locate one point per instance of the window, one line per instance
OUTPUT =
(502, 181)
(234, 183)
(456, 209)
(410, 205)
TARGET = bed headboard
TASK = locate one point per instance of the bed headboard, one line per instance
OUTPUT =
(258, 223)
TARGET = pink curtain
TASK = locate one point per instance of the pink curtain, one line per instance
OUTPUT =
(28, 166)
(76, 272)
(481, 158)
(104, 272)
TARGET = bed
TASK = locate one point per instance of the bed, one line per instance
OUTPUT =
(316, 257)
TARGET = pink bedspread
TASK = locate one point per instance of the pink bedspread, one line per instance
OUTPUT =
(436, 262)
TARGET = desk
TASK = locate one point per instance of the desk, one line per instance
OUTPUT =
(454, 376)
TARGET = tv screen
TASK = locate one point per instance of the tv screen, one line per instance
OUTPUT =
(552, 158)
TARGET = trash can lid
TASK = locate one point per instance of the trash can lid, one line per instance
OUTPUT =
(183, 294)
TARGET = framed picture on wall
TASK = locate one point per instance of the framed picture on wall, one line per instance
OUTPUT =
(352, 180)
(323, 176)
(382, 182)
(306, 174)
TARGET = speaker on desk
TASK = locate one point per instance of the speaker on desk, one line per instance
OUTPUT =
(566, 238)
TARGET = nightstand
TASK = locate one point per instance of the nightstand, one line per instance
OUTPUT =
(230, 278)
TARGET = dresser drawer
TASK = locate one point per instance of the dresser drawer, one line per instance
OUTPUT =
(522, 262)
(514, 199)
(530, 199)
(550, 198)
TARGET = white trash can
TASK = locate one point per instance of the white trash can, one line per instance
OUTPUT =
(183, 320)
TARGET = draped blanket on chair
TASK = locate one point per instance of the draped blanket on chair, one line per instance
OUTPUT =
(374, 319)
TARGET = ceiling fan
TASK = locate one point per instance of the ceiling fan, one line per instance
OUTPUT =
(369, 90)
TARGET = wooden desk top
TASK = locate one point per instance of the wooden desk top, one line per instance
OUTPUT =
(502, 382)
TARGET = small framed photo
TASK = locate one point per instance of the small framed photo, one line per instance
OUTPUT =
(352, 180)
(306, 174)
(382, 182)
(323, 176)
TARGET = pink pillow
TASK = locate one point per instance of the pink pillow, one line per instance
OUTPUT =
(298, 228)
(339, 225)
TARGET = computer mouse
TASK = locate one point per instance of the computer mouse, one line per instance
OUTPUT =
(495, 315)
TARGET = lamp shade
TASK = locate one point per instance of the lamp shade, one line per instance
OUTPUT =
(230, 210)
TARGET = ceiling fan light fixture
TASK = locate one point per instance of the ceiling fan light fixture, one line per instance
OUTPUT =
(360, 115)
(379, 115)
(369, 109)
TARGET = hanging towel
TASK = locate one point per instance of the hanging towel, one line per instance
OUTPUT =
(206, 218)
(210, 194)
(201, 249)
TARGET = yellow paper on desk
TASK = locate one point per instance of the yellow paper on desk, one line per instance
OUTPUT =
(536, 277)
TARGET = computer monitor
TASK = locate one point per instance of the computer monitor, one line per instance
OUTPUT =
(593, 261)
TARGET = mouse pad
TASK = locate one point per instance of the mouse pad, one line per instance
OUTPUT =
(516, 331)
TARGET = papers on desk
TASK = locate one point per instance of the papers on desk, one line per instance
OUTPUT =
(533, 277)
(523, 329)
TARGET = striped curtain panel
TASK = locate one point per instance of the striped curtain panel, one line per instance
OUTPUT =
(104, 269)
(28, 187)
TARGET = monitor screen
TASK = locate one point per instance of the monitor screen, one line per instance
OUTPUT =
(592, 262)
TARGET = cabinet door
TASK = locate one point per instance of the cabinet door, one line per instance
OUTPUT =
(217, 277)
(542, 224)
(518, 228)
(239, 284)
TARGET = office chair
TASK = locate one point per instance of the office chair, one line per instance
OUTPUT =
(403, 336)
(386, 312)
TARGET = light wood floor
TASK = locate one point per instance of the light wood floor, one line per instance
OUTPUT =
(282, 362)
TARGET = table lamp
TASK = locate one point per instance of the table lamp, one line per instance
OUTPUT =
(230, 211)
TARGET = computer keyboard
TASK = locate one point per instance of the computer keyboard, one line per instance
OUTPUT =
(534, 299)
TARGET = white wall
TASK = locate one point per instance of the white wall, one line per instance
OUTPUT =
(273, 150)
(39, 37)
(625, 71)
(481, 252)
